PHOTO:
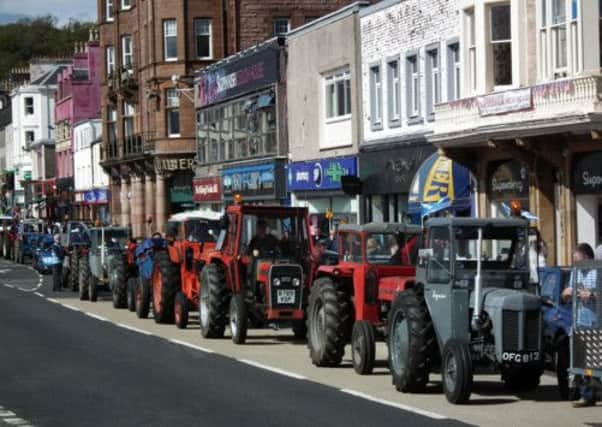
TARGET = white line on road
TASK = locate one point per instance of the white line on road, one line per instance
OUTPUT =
(70, 307)
(4, 413)
(9, 286)
(10, 418)
(39, 294)
(395, 405)
(96, 316)
(131, 328)
(195, 347)
(15, 421)
(272, 369)
(52, 300)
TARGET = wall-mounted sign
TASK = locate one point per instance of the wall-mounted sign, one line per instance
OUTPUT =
(93, 197)
(180, 188)
(505, 102)
(323, 174)
(207, 189)
(508, 180)
(587, 173)
(262, 181)
(170, 165)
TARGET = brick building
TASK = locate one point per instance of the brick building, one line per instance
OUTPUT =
(151, 49)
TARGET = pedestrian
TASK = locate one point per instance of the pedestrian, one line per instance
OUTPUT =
(57, 268)
(586, 281)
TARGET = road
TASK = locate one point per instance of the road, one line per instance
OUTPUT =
(64, 362)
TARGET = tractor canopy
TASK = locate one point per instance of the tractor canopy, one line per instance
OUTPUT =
(115, 238)
(195, 226)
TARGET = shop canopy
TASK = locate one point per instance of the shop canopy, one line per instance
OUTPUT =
(440, 184)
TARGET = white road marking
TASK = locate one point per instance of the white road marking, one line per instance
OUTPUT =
(52, 300)
(9, 286)
(272, 369)
(96, 316)
(5, 413)
(15, 421)
(195, 347)
(395, 405)
(131, 328)
(39, 294)
(70, 307)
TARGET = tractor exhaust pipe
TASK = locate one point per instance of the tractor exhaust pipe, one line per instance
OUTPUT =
(478, 286)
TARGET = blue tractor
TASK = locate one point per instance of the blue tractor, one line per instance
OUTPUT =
(29, 234)
(140, 289)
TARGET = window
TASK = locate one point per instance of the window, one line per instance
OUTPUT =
(394, 93)
(472, 50)
(110, 60)
(501, 45)
(172, 109)
(28, 106)
(170, 40)
(376, 98)
(433, 82)
(281, 26)
(29, 137)
(453, 71)
(559, 42)
(128, 119)
(338, 95)
(109, 10)
(126, 52)
(413, 86)
(202, 35)
(439, 263)
(559, 39)
(126, 4)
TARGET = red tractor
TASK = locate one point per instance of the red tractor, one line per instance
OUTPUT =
(258, 272)
(351, 300)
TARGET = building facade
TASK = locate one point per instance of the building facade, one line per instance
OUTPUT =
(324, 116)
(151, 50)
(528, 121)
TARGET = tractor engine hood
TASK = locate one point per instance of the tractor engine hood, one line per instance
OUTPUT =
(506, 299)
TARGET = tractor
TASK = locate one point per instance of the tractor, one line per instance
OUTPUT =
(140, 289)
(473, 309)
(104, 264)
(75, 239)
(29, 234)
(350, 300)
(258, 272)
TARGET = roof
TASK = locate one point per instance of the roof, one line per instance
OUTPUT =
(476, 222)
(383, 227)
(328, 19)
(205, 214)
(50, 77)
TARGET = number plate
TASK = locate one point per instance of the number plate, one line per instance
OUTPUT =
(521, 356)
(50, 260)
(285, 296)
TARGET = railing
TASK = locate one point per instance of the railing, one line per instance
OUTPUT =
(133, 146)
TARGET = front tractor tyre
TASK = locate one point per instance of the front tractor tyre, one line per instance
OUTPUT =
(181, 309)
(329, 311)
(363, 345)
(166, 282)
(457, 373)
(118, 283)
(83, 270)
(131, 297)
(93, 288)
(239, 319)
(213, 301)
(142, 299)
(411, 341)
(74, 271)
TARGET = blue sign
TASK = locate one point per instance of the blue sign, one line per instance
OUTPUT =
(323, 174)
(250, 181)
(98, 196)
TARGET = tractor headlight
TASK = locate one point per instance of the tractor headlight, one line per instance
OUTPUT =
(276, 282)
(296, 282)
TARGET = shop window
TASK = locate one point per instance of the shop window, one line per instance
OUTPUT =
(501, 44)
(433, 82)
(394, 93)
(170, 40)
(376, 98)
(172, 111)
(202, 34)
(337, 88)
(453, 71)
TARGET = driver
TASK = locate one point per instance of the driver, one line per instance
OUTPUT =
(263, 241)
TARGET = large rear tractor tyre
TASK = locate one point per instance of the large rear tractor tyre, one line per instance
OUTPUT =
(93, 288)
(143, 297)
(132, 285)
(83, 270)
(328, 314)
(363, 347)
(411, 341)
(457, 372)
(239, 319)
(118, 283)
(213, 301)
(181, 309)
(166, 283)
(74, 271)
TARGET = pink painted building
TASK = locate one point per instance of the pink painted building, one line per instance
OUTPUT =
(77, 98)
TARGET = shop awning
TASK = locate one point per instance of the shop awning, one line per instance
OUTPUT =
(440, 183)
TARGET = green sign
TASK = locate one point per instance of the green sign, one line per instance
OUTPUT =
(180, 194)
(27, 175)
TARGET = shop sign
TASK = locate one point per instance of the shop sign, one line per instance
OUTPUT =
(171, 165)
(94, 197)
(509, 180)
(207, 189)
(27, 176)
(587, 174)
(262, 181)
(180, 187)
(505, 102)
(238, 76)
(323, 174)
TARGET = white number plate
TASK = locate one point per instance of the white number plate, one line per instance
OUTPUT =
(521, 357)
(285, 296)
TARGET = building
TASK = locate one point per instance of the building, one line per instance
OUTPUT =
(77, 99)
(5, 121)
(324, 115)
(150, 56)
(528, 123)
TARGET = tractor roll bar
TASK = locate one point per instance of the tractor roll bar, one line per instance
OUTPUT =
(476, 315)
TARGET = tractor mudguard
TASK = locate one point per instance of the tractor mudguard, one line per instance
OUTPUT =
(388, 287)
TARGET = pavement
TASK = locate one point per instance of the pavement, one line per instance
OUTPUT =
(65, 362)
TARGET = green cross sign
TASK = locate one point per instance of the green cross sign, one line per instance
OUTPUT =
(335, 171)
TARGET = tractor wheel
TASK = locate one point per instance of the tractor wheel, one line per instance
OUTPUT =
(118, 283)
(166, 282)
(300, 329)
(363, 346)
(521, 378)
(239, 319)
(457, 372)
(213, 301)
(142, 298)
(328, 315)
(83, 278)
(181, 310)
(411, 341)
(132, 285)
(74, 271)
(93, 284)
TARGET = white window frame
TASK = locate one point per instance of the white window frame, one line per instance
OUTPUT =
(109, 10)
(110, 54)
(170, 32)
(126, 4)
(129, 112)
(127, 41)
(433, 56)
(394, 92)
(413, 70)
(454, 90)
(198, 34)
(281, 20)
(172, 102)
(376, 97)
(332, 79)
(492, 42)
(471, 43)
(559, 69)
(29, 110)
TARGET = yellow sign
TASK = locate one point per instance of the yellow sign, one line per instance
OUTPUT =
(439, 182)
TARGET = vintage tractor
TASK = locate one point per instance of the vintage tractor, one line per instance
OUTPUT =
(104, 264)
(75, 239)
(473, 309)
(376, 261)
(29, 234)
(258, 271)
(140, 289)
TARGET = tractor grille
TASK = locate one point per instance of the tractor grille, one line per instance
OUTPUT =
(587, 348)
(286, 295)
(532, 330)
(513, 323)
(510, 320)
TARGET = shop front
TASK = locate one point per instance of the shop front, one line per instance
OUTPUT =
(259, 183)
(587, 188)
(508, 180)
(317, 185)
(179, 187)
(386, 176)
(207, 193)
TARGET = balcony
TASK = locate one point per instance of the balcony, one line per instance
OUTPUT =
(563, 105)
(124, 82)
(129, 148)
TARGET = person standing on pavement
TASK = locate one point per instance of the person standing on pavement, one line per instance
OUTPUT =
(57, 268)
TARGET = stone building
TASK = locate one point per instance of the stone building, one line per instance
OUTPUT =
(151, 50)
